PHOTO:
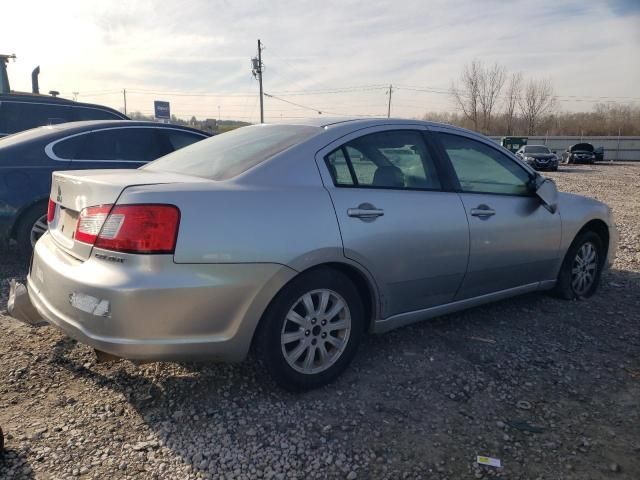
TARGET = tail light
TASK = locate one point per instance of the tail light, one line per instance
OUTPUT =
(130, 228)
(51, 211)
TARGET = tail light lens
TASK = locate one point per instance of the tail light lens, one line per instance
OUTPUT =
(51, 211)
(130, 228)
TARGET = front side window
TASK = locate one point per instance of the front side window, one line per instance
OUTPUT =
(483, 169)
(393, 159)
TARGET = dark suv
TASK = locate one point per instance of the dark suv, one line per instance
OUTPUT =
(23, 111)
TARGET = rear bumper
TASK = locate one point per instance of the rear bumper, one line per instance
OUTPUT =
(149, 308)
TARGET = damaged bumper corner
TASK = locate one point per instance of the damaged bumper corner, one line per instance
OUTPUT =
(20, 306)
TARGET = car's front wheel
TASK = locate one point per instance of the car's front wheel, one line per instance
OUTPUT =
(580, 272)
(311, 331)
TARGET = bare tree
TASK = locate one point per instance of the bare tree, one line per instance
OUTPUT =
(491, 81)
(536, 100)
(511, 100)
(467, 96)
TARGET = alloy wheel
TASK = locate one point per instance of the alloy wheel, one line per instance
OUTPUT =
(584, 268)
(316, 331)
(37, 230)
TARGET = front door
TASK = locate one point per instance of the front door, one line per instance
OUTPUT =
(396, 218)
(515, 240)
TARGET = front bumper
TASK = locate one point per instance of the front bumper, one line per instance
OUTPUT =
(150, 308)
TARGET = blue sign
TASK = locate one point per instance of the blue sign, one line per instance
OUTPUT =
(162, 110)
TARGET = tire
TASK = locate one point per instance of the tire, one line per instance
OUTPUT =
(34, 218)
(568, 285)
(311, 352)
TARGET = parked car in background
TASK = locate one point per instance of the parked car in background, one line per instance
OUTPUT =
(297, 239)
(27, 160)
(539, 157)
(599, 153)
(513, 144)
(23, 111)
(579, 153)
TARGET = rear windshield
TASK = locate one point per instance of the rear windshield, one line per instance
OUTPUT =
(230, 154)
(536, 149)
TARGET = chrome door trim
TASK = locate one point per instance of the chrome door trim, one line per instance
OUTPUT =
(402, 319)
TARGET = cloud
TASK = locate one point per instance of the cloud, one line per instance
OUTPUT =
(587, 49)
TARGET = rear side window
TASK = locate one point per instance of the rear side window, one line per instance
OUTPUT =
(19, 116)
(393, 159)
(88, 113)
(232, 153)
(117, 144)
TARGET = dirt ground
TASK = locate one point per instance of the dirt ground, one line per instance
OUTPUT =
(549, 387)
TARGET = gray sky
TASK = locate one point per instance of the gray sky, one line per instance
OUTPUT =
(334, 56)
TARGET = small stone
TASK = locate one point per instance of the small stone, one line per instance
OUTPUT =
(500, 424)
(523, 405)
(614, 467)
(352, 475)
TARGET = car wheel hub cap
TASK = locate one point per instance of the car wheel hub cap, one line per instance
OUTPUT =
(316, 331)
(584, 268)
(38, 229)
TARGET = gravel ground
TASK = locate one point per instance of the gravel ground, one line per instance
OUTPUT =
(550, 387)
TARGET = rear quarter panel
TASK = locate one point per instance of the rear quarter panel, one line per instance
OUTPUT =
(231, 223)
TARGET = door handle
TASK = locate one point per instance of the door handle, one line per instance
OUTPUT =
(482, 211)
(365, 212)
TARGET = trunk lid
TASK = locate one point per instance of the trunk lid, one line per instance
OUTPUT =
(74, 190)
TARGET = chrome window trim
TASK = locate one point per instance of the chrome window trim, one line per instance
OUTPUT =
(50, 153)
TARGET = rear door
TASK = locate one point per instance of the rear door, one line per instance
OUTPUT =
(396, 217)
(515, 240)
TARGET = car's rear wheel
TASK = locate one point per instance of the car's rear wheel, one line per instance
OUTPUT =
(311, 331)
(580, 272)
(32, 226)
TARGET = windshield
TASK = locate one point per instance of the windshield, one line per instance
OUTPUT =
(230, 154)
(536, 149)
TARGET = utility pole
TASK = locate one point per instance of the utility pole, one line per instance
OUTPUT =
(124, 94)
(389, 107)
(258, 68)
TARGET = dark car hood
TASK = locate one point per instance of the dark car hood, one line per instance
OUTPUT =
(540, 156)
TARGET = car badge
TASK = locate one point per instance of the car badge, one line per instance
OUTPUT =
(59, 197)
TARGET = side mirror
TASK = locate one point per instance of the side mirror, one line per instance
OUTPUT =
(547, 192)
(554, 151)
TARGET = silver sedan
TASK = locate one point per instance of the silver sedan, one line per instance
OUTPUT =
(295, 240)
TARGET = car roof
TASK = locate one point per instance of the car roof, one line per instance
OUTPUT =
(89, 124)
(26, 97)
(359, 122)
(49, 132)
